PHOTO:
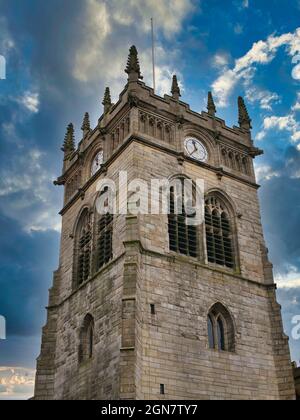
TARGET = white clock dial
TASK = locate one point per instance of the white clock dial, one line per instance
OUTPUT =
(195, 149)
(97, 162)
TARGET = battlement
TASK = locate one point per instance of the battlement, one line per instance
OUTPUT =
(169, 112)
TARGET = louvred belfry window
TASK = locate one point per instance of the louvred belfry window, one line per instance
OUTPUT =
(84, 253)
(182, 235)
(218, 233)
(104, 234)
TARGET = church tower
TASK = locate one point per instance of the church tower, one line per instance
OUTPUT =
(148, 306)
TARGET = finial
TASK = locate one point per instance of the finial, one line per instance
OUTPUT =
(69, 142)
(244, 119)
(133, 67)
(107, 101)
(175, 90)
(86, 127)
(211, 105)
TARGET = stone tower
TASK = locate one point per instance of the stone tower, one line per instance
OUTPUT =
(144, 306)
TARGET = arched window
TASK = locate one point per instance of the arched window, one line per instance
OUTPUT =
(245, 167)
(182, 233)
(218, 233)
(220, 333)
(210, 329)
(220, 329)
(82, 252)
(86, 339)
(104, 234)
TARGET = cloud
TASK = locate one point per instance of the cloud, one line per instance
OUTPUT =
(296, 72)
(168, 15)
(16, 383)
(221, 60)
(261, 53)
(96, 27)
(289, 284)
(267, 100)
(264, 97)
(26, 263)
(265, 173)
(282, 123)
(100, 53)
(27, 193)
(286, 123)
(289, 280)
(7, 42)
(223, 87)
(30, 101)
(296, 106)
(164, 71)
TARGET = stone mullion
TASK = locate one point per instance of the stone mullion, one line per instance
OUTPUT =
(128, 355)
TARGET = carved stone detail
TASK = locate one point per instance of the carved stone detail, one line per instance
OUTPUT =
(156, 127)
(120, 132)
(235, 160)
(72, 185)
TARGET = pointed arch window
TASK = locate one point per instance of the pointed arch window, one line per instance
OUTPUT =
(104, 235)
(219, 237)
(210, 329)
(182, 233)
(82, 253)
(220, 329)
(86, 339)
(220, 334)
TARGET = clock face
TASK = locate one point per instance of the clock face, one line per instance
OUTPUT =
(97, 162)
(195, 149)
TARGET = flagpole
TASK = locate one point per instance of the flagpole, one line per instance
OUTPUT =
(153, 55)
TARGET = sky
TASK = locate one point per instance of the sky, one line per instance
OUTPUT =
(61, 54)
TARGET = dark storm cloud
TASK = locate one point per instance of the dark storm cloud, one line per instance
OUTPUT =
(280, 203)
(46, 35)
(26, 264)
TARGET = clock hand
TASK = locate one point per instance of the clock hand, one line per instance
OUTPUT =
(195, 147)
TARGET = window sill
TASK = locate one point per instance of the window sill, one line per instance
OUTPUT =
(198, 260)
(183, 256)
(223, 268)
(234, 353)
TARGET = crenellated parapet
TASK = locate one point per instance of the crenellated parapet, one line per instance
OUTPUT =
(161, 120)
